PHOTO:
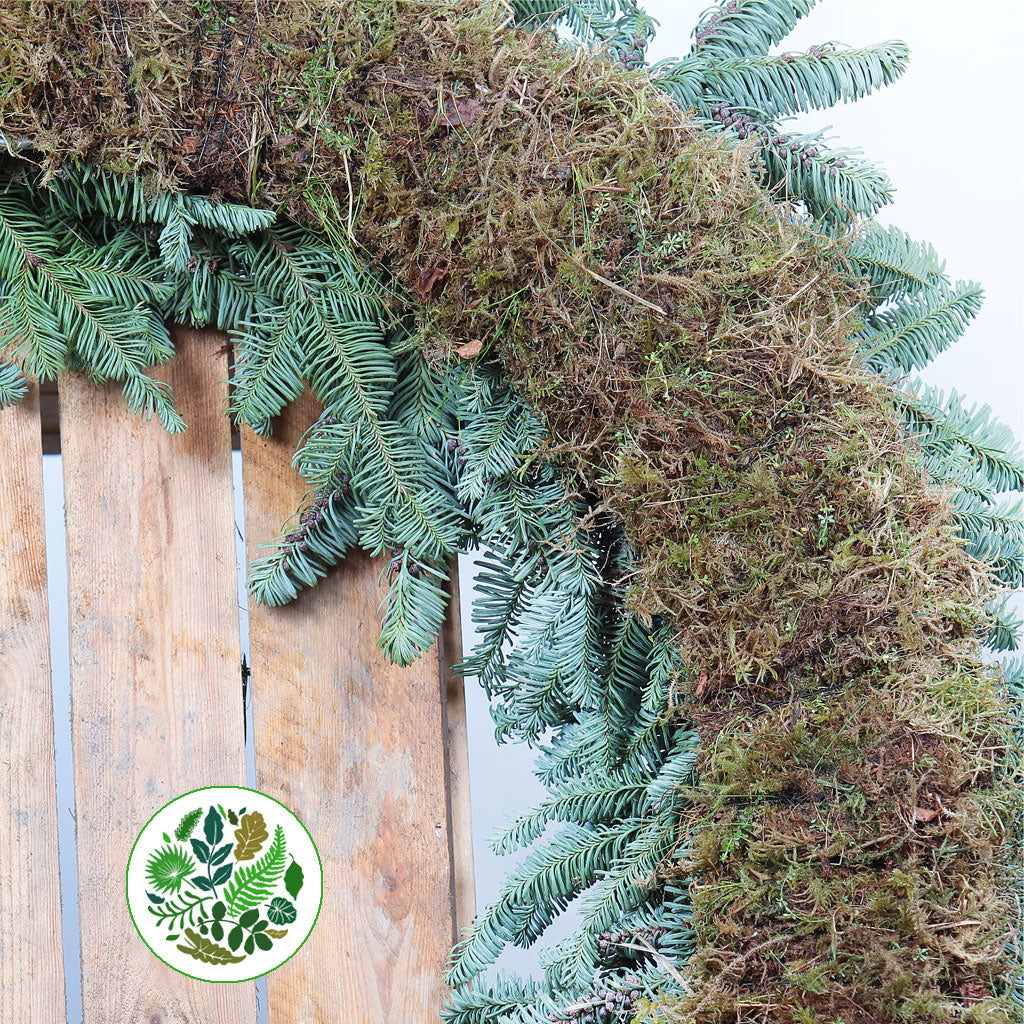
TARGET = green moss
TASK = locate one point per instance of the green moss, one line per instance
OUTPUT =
(690, 351)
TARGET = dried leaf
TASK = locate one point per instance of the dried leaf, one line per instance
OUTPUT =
(470, 350)
(251, 835)
(207, 951)
(462, 113)
(702, 684)
(430, 281)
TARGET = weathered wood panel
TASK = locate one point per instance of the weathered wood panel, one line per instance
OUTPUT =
(156, 691)
(458, 763)
(356, 748)
(31, 958)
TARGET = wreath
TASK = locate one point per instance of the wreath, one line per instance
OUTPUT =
(617, 329)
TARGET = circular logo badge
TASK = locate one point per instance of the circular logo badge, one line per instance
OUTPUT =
(224, 884)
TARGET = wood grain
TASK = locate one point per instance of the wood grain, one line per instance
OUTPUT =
(356, 747)
(156, 684)
(460, 809)
(31, 958)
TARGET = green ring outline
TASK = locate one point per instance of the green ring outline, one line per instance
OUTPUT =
(225, 981)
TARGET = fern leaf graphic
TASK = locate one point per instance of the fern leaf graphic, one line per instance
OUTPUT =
(254, 883)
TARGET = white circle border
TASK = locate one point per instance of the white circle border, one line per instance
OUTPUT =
(299, 843)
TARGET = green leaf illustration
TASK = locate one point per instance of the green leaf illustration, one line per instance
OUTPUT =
(253, 883)
(251, 835)
(201, 850)
(222, 874)
(213, 826)
(250, 944)
(221, 854)
(153, 898)
(293, 879)
(200, 882)
(217, 931)
(187, 825)
(281, 911)
(249, 918)
(235, 937)
(175, 912)
(232, 817)
(277, 933)
(208, 951)
(263, 940)
(168, 867)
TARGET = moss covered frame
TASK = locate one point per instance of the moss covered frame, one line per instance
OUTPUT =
(686, 344)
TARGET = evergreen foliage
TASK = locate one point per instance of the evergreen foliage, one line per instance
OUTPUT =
(679, 585)
(912, 311)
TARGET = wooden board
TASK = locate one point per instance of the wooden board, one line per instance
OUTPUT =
(31, 957)
(156, 682)
(460, 809)
(356, 747)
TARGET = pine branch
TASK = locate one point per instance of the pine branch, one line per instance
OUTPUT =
(620, 25)
(13, 385)
(787, 84)
(267, 371)
(943, 425)
(541, 887)
(620, 890)
(505, 999)
(29, 330)
(648, 742)
(593, 798)
(315, 539)
(835, 184)
(993, 531)
(415, 607)
(908, 336)
(1007, 626)
(497, 606)
(894, 264)
(742, 28)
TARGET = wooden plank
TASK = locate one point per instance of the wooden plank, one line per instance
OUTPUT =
(356, 747)
(31, 957)
(156, 684)
(460, 809)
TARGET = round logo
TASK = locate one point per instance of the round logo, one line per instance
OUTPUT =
(224, 884)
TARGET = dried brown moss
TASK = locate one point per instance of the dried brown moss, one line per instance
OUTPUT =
(690, 350)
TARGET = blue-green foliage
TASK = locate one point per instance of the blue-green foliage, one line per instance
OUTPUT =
(418, 462)
(615, 762)
(13, 383)
(621, 26)
(71, 299)
(733, 84)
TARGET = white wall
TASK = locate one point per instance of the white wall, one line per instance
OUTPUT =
(948, 134)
